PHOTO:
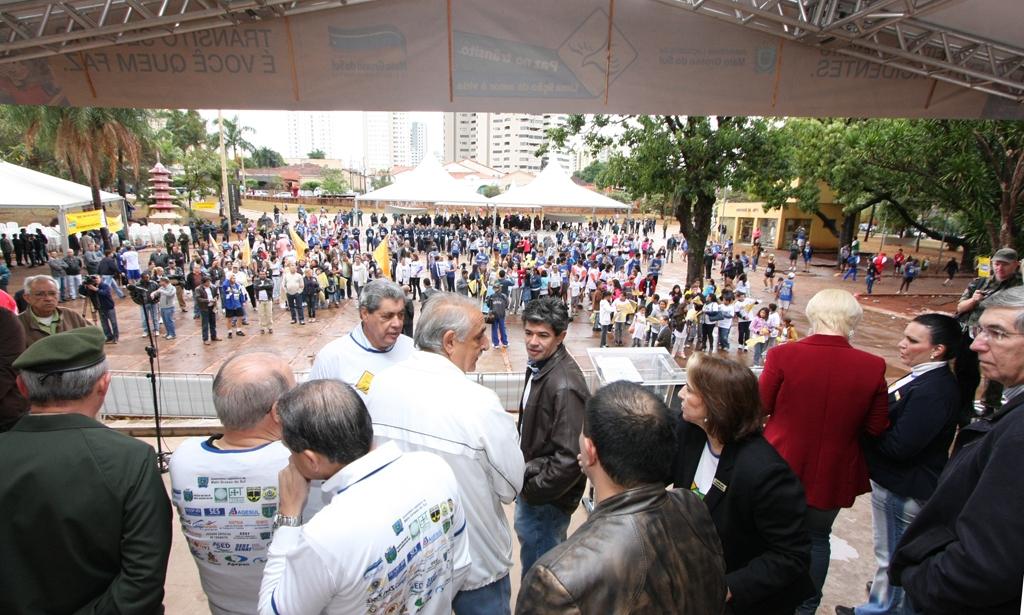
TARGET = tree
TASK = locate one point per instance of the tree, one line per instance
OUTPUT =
(591, 172)
(379, 181)
(333, 182)
(490, 191)
(266, 158)
(687, 158)
(234, 140)
(202, 173)
(310, 185)
(317, 154)
(87, 140)
(187, 128)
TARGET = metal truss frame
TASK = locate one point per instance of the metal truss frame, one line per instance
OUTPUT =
(41, 28)
(887, 32)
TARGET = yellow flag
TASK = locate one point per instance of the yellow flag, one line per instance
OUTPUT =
(383, 257)
(300, 246)
(246, 251)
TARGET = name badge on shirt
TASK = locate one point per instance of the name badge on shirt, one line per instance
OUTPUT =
(363, 384)
(719, 485)
(897, 395)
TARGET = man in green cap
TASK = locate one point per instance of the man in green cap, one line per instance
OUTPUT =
(87, 521)
(1005, 274)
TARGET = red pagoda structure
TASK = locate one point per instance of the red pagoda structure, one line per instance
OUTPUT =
(162, 210)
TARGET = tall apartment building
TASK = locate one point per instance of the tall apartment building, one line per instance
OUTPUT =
(503, 141)
(308, 131)
(387, 140)
(417, 142)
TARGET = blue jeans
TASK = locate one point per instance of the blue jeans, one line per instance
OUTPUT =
(850, 271)
(818, 524)
(154, 320)
(108, 321)
(723, 337)
(540, 528)
(891, 514)
(112, 283)
(295, 307)
(167, 314)
(493, 599)
(498, 327)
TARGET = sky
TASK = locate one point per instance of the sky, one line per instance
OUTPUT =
(270, 129)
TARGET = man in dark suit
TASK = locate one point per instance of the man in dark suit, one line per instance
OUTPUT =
(965, 550)
(87, 522)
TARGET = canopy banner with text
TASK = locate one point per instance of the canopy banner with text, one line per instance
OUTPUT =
(82, 221)
(541, 57)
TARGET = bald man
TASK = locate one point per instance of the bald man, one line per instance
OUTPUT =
(232, 477)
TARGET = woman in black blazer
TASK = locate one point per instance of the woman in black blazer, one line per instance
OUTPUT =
(905, 461)
(755, 499)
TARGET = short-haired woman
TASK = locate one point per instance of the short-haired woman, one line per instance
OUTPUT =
(755, 499)
(821, 395)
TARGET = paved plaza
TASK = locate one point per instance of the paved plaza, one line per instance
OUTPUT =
(885, 317)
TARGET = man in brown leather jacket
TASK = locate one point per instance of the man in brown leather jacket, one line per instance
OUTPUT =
(644, 550)
(550, 420)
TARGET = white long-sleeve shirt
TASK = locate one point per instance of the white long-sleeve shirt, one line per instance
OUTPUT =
(426, 403)
(393, 539)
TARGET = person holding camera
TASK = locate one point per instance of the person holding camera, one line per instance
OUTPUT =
(102, 300)
(176, 275)
(141, 293)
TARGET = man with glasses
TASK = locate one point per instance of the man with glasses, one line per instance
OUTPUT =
(44, 317)
(973, 303)
(965, 550)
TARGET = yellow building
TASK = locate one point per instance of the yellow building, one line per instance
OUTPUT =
(779, 226)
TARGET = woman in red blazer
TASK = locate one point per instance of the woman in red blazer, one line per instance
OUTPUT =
(821, 395)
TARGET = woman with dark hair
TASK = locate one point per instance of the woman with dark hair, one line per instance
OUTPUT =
(904, 461)
(755, 499)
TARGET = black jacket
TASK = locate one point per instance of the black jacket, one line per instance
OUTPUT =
(549, 428)
(964, 553)
(757, 504)
(645, 551)
(908, 458)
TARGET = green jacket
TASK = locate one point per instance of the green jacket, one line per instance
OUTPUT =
(86, 520)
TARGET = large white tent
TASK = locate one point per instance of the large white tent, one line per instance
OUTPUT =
(553, 188)
(28, 189)
(428, 183)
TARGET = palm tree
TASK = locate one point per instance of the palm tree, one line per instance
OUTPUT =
(234, 139)
(85, 139)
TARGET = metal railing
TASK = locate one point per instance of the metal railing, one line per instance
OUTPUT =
(184, 395)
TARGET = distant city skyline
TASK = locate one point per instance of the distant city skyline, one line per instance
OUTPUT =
(271, 129)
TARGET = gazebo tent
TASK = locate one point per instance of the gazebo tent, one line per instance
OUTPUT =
(427, 183)
(553, 188)
(28, 189)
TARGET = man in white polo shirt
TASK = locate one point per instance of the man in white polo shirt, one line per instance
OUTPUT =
(377, 343)
(392, 540)
(225, 487)
(427, 403)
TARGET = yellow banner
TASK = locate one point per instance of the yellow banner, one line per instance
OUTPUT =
(984, 266)
(383, 257)
(114, 223)
(300, 245)
(204, 205)
(82, 221)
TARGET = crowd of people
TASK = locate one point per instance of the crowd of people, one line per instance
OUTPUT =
(363, 490)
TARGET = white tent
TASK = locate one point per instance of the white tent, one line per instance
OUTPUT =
(28, 189)
(554, 188)
(427, 183)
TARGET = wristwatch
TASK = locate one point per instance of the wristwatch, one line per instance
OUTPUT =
(286, 521)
